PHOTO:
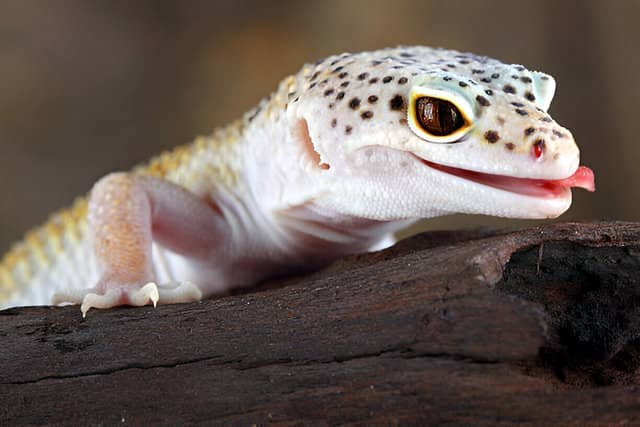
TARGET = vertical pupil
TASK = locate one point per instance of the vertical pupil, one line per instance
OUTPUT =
(437, 116)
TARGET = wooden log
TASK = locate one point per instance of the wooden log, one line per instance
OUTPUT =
(537, 326)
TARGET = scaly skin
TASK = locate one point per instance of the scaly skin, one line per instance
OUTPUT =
(334, 162)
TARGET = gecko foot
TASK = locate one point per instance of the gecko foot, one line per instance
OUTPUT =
(91, 298)
(113, 298)
(150, 293)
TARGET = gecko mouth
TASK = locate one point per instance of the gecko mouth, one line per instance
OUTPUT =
(583, 177)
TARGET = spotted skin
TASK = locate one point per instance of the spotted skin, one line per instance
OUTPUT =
(333, 162)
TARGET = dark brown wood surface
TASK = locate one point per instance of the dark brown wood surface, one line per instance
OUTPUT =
(536, 326)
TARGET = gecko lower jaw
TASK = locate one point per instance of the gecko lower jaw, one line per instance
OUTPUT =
(583, 177)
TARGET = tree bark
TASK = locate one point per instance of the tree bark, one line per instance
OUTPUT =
(537, 326)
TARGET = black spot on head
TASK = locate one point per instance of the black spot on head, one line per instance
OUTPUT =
(312, 85)
(340, 95)
(477, 71)
(402, 80)
(558, 134)
(485, 80)
(528, 131)
(525, 79)
(315, 75)
(519, 68)
(483, 101)
(334, 62)
(521, 112)
(451, 65)
(354, 104)
(328, 92)
(514, 77)
(530, 97)
(488, 92)
(406, 54)
(544, 78)
(387, 79)
(366, 115)
(343, 74)
(331, 106)
(447, 78)
(463, 62)
(348, 129)
(510, 145)
(517, 104)
(344, 84)
(396, 103)
(462, 84)
(376, 62)
(334, 122)
(492, 136)
(509, 89)
(372, 99)
(337, 69)
(363, 76)
(373, 80)
(546, 119)
(495, 76)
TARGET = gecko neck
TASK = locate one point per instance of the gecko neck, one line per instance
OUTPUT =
(313, 230)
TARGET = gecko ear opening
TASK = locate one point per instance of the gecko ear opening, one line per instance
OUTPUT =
(544, 87)
(303, 135)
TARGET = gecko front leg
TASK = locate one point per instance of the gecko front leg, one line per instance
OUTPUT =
(127, 212)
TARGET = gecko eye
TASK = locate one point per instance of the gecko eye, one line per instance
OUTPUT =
(438, 117)
(439, 114)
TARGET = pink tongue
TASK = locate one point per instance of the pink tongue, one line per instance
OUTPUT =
(583, 178)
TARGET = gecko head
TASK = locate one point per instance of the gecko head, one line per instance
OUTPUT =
(418, 132)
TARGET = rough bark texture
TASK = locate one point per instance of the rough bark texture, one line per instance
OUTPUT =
(536, 326)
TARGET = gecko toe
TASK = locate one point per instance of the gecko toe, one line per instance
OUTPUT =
(144, 295)
(72, 296)
(92, 300)
(184, 292)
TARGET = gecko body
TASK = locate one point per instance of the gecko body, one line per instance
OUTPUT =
(342, 155)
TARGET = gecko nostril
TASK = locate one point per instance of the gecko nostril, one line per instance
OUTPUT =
(538, 148)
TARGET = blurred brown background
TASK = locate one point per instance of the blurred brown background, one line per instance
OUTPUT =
(88, 87)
